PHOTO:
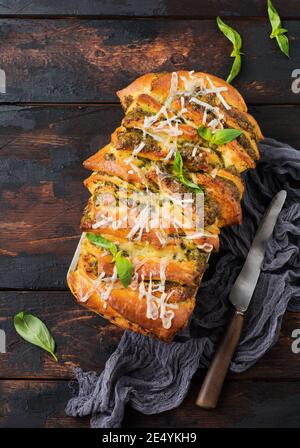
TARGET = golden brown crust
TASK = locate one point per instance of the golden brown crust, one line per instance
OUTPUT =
(138, 86)
(158, 85)
(116, 166)
(163, 113)
(237, 117)
(155, 237)
(125, 309)
(183, 271)
(230, 154)
(221, 192)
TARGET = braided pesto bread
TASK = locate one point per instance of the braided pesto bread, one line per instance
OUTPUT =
(168, 116)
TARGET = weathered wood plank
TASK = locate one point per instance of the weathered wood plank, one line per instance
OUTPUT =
(42, 195)
(279, 122)
(85, 339)
(34, 404)
(88, 61)
(248, 404)
(242, 405)
(148, 8)
(41, 191)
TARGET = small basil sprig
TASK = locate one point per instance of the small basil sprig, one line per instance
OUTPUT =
(220, 137)
(178, 171)
(124, 269)
(277, 31)
(236, 41)
(33, 330)
(123, 265)
(98, 240)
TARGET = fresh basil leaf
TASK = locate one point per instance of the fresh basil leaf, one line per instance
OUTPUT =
(124, 269)
(178, 164)
(283, 44)
(123, 265)
(273, 16)
(235, 68)
(236, 41)
(277, 31)
(230, 33)
(103, 242)
(33, 330)
(191, 185)
(205, 133)
(178, 171)
(223, 136)
(219, 137)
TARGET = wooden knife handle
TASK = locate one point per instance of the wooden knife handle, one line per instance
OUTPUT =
(214, 379)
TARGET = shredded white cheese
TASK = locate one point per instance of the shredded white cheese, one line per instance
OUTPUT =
(166, 314)
(194, 152)
(206, 247)
(171, 153)
(207, 107)
(161, 237)
(138, 148)
(214, 172)
(142, 223)
(217, 90)
(173, 89)
(152, 309)
(204, 116)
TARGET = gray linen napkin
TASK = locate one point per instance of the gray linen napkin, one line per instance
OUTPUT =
(154, 376)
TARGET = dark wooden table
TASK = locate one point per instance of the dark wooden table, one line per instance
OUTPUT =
(64, 61)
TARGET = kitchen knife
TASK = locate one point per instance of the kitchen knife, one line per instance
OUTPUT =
(240, 296)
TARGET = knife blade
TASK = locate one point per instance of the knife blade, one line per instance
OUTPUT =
(243, 288)
(240, 296)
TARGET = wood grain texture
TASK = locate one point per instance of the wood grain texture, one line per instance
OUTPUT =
(42, 195)
(68, 60)
(41, 190)
(89, 60)
(85, 339)
(247, 405)
(251, 404)
(148, 8)
(35, 404)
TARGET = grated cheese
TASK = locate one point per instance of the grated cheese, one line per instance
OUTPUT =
(214, 172)
(203, 104)
(166, 314)
(161, 238)
(217, 90)
(138, 148)
(204, 116)
(152, 309)
(141, 224)
(194, 152)
(173, 89)
(206, 247)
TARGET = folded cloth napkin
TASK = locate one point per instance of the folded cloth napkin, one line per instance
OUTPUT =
(154, 376)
